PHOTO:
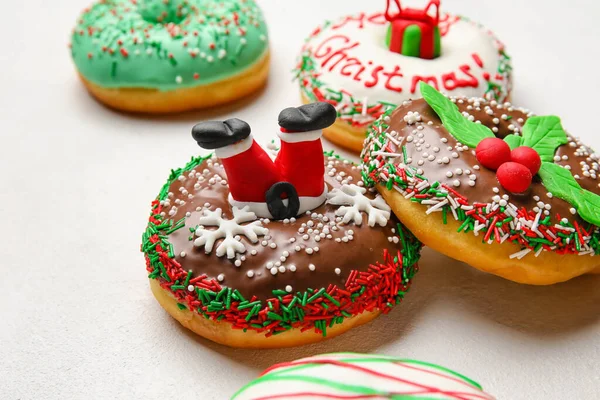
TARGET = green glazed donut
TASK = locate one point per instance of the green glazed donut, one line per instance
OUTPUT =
(167, 44)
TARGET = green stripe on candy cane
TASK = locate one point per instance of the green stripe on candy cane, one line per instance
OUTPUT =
(466, 132)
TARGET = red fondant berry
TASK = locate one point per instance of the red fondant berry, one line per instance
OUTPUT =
(514, 177)
(492, 153)
(528, 157)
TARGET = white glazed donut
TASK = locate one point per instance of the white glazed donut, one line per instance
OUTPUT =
(354, 376)
(349, 64)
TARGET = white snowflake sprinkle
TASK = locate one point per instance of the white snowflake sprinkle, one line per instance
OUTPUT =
(227, 229)
(353, 202)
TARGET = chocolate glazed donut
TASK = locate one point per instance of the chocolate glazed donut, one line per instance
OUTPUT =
(422, 158)
(234, 262)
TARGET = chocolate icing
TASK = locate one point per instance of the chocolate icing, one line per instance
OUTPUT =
(511, 120)
(206, 186)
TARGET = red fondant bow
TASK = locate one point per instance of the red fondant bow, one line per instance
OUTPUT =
(413, 13)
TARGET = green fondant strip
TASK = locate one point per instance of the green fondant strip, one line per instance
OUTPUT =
(121, 44)
(437, 37)
(562, 184)
(411, 41)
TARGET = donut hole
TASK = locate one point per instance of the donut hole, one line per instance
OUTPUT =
(164, 11)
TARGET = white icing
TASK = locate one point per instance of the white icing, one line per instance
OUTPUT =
(261, 209)
(353, 202)
(337, 375)
(227, 229)
(365, 44)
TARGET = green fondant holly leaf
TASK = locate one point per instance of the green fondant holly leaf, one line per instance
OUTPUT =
(513, 141)
(544, 135)
(561, 184)
(467, 132)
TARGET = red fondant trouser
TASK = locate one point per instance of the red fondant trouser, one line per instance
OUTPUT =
(251, 172)
(301, 164)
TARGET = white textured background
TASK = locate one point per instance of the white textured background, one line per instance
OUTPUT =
(77, 319)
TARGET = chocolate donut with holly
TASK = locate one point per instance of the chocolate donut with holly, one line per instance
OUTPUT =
(360, 376)
(367, 63)
(252, 249)
(490, 184)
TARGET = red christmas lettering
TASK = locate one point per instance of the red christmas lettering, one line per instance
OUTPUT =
(391, 75)
(375, 76)
(359, 18)
(325, 50)
(431, 80)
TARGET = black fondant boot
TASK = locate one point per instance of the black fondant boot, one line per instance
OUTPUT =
(216, 134)
(309, 117)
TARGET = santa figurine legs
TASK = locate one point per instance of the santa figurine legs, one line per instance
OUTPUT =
(290, 185)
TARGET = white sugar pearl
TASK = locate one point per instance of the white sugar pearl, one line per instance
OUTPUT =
(312, 267)
(288, 289)
(338, 271)
(250, 274)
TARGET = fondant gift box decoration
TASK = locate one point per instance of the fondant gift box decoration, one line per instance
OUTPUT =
(414, 32)
(367, 63)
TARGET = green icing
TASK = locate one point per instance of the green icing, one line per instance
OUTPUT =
(411, 41)
(167, 45)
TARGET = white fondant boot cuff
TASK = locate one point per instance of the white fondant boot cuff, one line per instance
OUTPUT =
(235, 149)
(296, 137)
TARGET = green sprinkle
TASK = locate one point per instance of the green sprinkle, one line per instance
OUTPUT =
(316, 295)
